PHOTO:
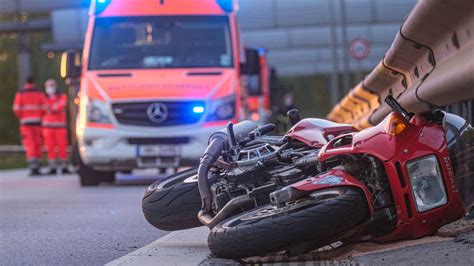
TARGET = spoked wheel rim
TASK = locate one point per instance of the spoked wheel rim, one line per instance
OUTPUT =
(268, 211)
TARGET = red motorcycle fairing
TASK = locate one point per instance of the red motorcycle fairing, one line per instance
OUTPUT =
(333, 178)
(419, 139)
(316, 132)
(411, 223)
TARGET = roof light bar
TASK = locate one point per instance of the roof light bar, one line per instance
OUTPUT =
(227, 5)
(100, 6)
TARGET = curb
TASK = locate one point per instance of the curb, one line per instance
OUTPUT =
(187, 247)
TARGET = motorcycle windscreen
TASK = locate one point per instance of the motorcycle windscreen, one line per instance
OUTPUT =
(460, 139)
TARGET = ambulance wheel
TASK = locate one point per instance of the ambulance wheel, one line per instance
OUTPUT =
(88, 176)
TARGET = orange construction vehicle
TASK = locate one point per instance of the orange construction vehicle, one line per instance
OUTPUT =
(157, 77)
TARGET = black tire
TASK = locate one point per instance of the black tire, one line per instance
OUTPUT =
(316, 223)
(172, 204)
(88, 176)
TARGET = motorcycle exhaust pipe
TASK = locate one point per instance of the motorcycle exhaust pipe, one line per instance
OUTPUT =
(217, 143)
(231, 206)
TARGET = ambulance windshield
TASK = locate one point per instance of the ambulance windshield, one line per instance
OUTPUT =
(161, 42)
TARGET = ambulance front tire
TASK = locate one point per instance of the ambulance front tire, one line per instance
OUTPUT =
(88, 176)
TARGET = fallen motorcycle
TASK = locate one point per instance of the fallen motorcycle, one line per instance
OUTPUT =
(321, 183)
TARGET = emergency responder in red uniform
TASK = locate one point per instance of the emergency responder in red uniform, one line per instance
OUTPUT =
(54, 127)
(29, 108)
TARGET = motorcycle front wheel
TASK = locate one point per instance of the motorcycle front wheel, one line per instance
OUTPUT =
(313, 221)
(173, 203)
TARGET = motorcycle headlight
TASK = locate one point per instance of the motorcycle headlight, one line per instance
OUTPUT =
(427, 183)
(222, 109)
(97, 112)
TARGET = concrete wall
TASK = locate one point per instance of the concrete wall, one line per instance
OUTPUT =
(298, 32)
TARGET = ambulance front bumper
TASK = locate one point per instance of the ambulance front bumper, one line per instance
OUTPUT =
(120, 149)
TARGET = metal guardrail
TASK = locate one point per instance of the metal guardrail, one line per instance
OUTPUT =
(430, 64)
(28, 26)
(11, 149)
(16, 149)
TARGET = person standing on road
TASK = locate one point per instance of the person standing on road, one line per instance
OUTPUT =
(54, 128)
(28, 107)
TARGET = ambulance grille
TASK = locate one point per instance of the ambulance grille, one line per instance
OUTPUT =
(138, 113)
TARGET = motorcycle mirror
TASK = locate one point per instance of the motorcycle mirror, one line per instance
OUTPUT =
(393, 103)
(294, 116)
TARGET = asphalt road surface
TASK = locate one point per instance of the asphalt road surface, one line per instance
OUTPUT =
(54, 221)
(458, 251)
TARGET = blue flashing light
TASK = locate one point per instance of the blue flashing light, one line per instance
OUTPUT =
(226, 5)
(101, 5)
(198, 109)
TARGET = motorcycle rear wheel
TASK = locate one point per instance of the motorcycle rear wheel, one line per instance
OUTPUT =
(173, 203)
(316, 220)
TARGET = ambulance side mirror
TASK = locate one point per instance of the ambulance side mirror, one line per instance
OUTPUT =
(251, 69)
(71, 65)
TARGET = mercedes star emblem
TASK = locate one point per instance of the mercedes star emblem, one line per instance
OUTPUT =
(157, 112)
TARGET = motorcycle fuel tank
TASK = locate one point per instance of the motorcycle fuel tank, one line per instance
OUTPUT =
(317, 132)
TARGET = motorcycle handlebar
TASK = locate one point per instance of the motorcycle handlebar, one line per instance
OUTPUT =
(217, 143)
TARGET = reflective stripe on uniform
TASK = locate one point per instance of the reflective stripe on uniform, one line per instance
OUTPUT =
(28, 107)
(30, 120)
(54, 124)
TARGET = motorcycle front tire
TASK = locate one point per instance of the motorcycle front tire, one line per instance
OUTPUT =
(316, 223)
(173, 202)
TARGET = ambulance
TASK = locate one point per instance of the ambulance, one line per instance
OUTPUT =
(155, 78)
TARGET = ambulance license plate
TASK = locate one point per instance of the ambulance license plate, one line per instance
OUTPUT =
(159, 151)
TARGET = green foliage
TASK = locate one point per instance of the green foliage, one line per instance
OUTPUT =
(12, 161)
(311, 94)
(8, 87)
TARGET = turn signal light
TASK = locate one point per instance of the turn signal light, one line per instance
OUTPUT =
(394, 124)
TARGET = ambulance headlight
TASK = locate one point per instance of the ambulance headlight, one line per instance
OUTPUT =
(222, 109)
(97, 112)
(427, 183)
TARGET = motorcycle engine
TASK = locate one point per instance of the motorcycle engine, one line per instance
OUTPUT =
(255, 172)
